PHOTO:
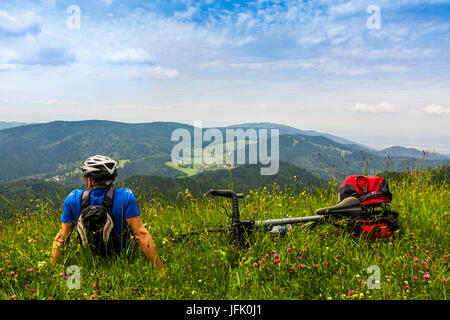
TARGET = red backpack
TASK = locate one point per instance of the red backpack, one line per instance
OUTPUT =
(370, 190)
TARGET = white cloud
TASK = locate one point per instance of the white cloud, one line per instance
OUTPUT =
(433, 109)
(154, 72)
(131, 56)
(22, 25)
(107, 2)
(364, 108)
(161, 73)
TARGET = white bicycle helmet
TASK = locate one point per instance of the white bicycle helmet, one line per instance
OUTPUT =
(99, 167)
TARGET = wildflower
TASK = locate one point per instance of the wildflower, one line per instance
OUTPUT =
(416, 259)
(407, 287)
(276, 261)
(445, 256)
(27, 285)
(50, 298)
(33, 290)
(12, 297)
(350, 292)
(61, 274)
(54, 276)
(316, 266)
(415, 278)
(30, 270)
(427, 276)
(292, 268)
(276, 255)
(255, 264)
(325, 263)
(299, 258)
(288, 250)
(8, 261)
(427, 252)
(12, 273)
(424, 263)
(411, 234)
(304, 250)
(444, 280)
(301, 266)
(92, 296)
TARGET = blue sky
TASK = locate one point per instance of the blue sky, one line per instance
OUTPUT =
(310, 64)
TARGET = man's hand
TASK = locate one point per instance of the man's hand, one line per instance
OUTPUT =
(61, 240)
(145, 241)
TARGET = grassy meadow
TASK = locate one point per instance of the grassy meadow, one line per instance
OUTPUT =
(320, 262)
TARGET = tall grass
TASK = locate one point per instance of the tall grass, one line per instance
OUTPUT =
(319, 262)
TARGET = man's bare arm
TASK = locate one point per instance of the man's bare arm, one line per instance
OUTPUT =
(145, 241)
(61, 240)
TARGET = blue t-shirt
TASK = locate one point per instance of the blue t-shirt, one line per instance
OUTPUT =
(124, 207)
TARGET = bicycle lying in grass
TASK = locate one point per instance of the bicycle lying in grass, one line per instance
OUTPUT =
(371, 221)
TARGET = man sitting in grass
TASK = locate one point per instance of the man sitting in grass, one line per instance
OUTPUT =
(99, 172)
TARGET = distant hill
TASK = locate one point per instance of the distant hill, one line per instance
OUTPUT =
(53, 151)
(291, 130)
(7, 125)
(240, 179)
(398, 151)
(31, 194)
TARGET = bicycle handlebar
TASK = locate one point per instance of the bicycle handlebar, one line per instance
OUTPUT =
(225, 193)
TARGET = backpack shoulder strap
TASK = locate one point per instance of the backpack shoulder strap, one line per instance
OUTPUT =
(85, 199)
(109, 198)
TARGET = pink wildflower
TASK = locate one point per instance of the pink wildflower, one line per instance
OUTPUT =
(292, 268)
(407, 287)
(276, 256)
(444, 280)
(255, 264)
(288, 250)
(416, 259)
(350, 292)
(427, 276)
(325, 263)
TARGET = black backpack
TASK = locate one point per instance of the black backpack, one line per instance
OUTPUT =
(95, 225)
